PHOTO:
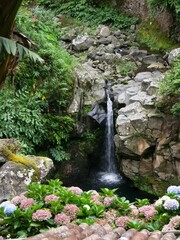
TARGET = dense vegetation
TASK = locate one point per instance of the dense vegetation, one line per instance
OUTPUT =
(34, 99)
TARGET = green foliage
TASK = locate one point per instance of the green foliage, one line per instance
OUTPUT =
(21, 118)
(86, 12)
(167, 4)
(127, 67)
(142, 202)
(170, 90)
(13, 48)
(33, 105)
(149, 33)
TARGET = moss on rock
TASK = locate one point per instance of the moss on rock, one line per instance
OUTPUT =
(150, 34)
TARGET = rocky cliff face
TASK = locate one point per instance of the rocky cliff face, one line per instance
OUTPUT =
(146, 140)
(140, 8)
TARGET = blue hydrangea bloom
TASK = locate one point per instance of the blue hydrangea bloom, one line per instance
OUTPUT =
(173, 189)
(10, 209)
(4, 204)
(171, 204)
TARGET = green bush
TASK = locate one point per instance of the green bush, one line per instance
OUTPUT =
(170, 90)
(21, 118)
(85, 11)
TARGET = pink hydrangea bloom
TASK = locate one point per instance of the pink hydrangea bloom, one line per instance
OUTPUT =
(41, 215)
(1, 238)
(122, 221)
(61, 219)
(110, 215)
(148, 211)
(134, 210)
(50, 198)
(76, 190)
(108, 201)
(175, 221)
(167, 227)
(25, 203)
(95, 199)
(94, 192)
(17, 199)
(71, 210)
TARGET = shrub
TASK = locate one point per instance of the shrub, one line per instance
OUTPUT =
(170, 90)
(86, 12)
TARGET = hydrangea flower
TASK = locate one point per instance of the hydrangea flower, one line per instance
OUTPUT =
(8, 206)
(41, 215)
(25, 203)
(4, 204)
(93, 192)
(148, 211)
(122, 221)
(134, 210)
(161, 200)
(110, 215)
(173, 189)
(1, 238)
(167, 228)
(71, 210)
(62, 219)
(17, 199)
(10, 209)
(76, 190)
(175, 221)
(171, 204)
(50, 198)
(108, 201)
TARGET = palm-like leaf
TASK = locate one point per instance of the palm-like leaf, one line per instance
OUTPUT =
(11, 47)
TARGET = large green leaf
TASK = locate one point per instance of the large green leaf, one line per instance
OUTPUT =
(12, 47)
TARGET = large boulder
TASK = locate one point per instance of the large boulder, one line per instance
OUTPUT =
(18, 171)
(173, 54)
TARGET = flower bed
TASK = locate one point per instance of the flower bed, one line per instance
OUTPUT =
(50, 205)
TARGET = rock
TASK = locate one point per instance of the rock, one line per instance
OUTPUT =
(150, 59)
(104, 31)
(70, 35)
(157, 65)
(15, 176)
(142, 75)
(175, 150)
(173, 54)
(82, 43)
(138, 54)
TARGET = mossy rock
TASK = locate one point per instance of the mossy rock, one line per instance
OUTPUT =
(150, 33)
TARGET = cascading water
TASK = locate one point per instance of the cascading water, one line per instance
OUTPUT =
(110, 173)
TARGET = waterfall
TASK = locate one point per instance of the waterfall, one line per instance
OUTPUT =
(109, 135)
(109, 173)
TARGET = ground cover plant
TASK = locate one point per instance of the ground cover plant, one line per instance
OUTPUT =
(50, 205)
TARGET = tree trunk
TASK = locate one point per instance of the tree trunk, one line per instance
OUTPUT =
(8, 11)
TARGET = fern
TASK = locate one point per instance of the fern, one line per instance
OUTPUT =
(11, 47)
